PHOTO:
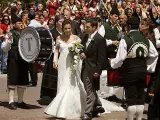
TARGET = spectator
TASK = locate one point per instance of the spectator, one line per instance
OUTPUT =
(53, 6)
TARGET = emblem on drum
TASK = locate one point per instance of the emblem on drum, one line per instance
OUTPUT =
(29, 44)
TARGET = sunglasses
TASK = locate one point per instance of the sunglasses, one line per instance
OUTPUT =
(53, 19)
(19, 4)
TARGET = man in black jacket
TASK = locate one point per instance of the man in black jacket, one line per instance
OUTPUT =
(94, 56)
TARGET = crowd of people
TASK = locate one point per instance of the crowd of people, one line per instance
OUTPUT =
(122, 35)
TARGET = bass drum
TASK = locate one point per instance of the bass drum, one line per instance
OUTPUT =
(35, 44)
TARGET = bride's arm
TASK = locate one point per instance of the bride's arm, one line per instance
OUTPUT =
(56, 54)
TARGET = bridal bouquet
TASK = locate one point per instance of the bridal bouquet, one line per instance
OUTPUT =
(75, 51)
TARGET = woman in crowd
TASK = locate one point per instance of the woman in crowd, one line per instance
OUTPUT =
(42, 21)
(49, 79)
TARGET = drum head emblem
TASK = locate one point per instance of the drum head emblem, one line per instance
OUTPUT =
(29, 44)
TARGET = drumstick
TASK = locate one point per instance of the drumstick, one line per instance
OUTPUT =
(155, 7)
(8, 5)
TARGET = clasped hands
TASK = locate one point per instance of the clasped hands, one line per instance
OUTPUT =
(9, 36)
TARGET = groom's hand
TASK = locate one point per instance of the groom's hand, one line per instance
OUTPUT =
(83, 56)
(96, 76)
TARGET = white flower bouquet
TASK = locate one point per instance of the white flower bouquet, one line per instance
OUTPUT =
(75, 51)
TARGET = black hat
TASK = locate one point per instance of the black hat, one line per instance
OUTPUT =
(15, 18)
(115, 10)
(14, 9)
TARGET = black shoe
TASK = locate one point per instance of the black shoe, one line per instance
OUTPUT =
(95, 114)
(113, 98)
(23, 105)
(32, 84)
(12, 106)
(87, 117)
(100, 109)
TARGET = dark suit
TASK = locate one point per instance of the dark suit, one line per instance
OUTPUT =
(76, 29)
(154, 87)
(33, 73)
(95, 58)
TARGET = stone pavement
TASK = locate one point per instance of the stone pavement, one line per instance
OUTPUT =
(36, 111)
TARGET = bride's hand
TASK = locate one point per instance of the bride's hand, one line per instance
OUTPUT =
(55, 66)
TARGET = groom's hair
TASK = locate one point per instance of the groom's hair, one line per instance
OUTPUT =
(93, 22)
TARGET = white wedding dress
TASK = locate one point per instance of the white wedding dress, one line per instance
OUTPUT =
(70, 100)
(71, 97)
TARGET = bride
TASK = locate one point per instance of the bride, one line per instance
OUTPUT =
(70, 100)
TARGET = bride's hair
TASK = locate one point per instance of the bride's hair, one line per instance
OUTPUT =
(65, 22)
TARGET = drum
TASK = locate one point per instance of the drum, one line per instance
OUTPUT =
(35, 44)
(115, 78)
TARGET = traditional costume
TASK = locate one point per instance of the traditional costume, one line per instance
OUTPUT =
(17, 76)
(136, 55)
(110, 32)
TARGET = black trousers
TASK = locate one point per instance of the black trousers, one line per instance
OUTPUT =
(33, 73)
(154, 108)
(134, 88)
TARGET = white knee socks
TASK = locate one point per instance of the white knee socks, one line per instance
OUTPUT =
(131, 111)
(11, 95)
(20, 92)
(139, 113)
(135, 110)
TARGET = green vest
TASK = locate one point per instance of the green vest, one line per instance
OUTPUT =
(137, 41)
(110, 33)
(13, 52)
(137, 52)
(16, 37)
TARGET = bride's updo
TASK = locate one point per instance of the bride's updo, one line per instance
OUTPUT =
(65, 22)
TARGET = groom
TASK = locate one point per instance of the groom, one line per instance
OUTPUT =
(94, 57)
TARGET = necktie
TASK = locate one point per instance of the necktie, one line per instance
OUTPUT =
(88, 41)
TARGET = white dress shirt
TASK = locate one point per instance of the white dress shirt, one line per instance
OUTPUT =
(90, 38)
(102, 32)
(157, 36)
(6, 44)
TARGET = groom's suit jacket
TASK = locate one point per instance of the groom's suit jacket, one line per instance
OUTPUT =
(96, 56)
